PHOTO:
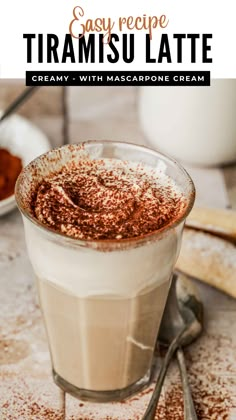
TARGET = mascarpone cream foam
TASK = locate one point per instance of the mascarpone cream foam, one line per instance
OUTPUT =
(107, 199)
(104, 199)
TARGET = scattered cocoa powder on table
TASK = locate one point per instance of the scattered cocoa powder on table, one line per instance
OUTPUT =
(10, 167)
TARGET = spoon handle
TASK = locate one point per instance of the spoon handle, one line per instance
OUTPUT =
(18, 102)
(151, 408)
(189, 410)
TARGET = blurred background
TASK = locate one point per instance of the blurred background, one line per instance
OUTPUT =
(168, 119)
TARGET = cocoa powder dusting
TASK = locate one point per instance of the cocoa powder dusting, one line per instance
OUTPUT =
(10, 167)
(95, 199)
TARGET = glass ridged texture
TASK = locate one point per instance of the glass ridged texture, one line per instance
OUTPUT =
(102, 300)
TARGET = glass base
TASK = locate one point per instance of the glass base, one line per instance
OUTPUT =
(102, 396)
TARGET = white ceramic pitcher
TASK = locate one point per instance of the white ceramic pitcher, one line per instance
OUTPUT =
(193, 124)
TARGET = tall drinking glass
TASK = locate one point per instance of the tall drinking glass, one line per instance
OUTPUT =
(102, 300)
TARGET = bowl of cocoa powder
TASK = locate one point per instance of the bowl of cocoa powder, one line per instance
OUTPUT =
(10, 168)
(20, 142)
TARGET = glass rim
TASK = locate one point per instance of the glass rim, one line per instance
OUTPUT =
(103, 242)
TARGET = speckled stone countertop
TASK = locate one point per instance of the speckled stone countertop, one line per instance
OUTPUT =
(26, 387)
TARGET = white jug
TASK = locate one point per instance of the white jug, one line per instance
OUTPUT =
(194, 124)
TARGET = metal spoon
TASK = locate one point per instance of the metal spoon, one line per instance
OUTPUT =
(181, 324)
(18, 102)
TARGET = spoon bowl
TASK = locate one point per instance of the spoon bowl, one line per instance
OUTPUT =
(183, 308)
(181, 324)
